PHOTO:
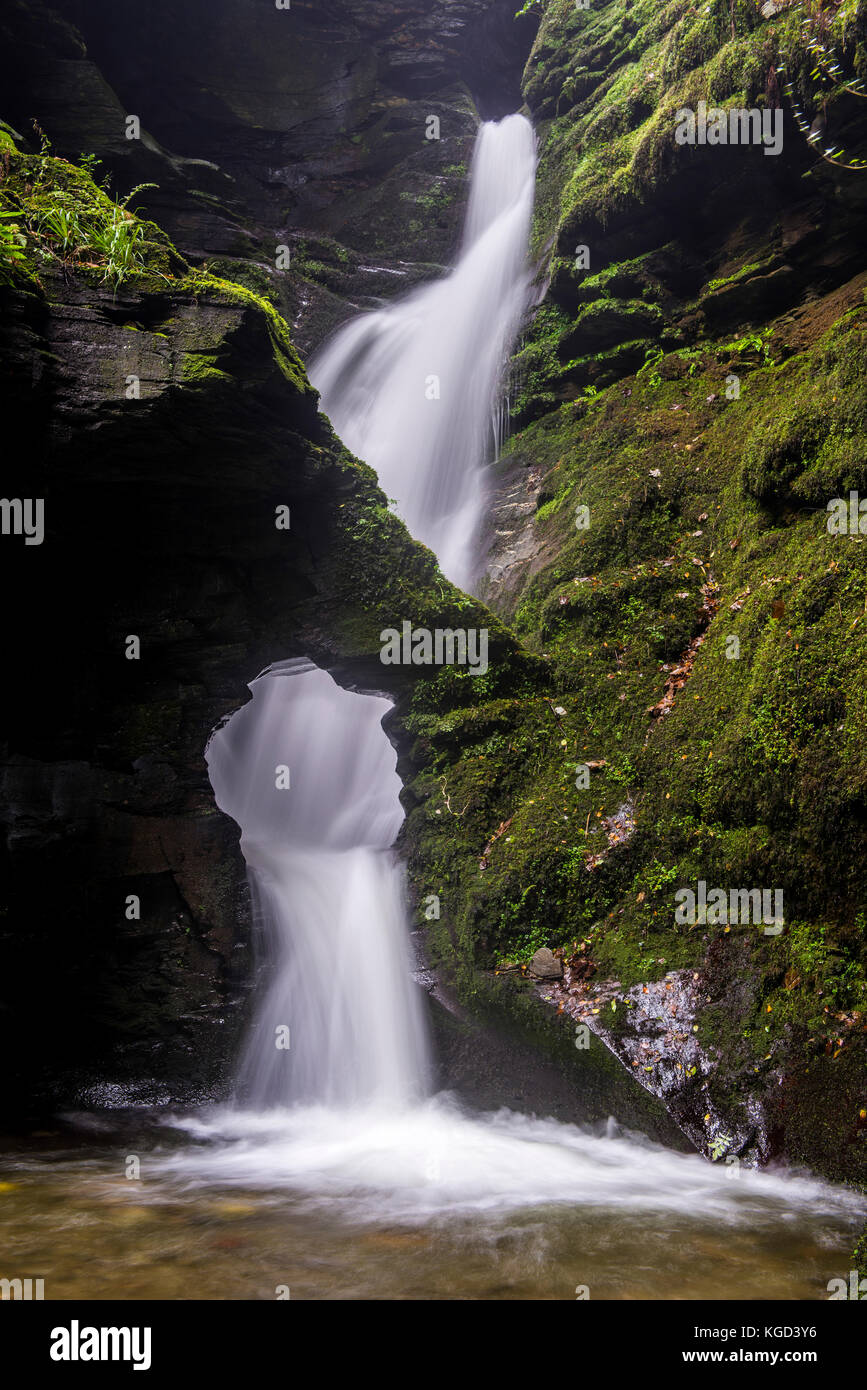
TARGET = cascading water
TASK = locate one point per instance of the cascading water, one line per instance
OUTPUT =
(413, 389)
(340, 1116)
(327, 893)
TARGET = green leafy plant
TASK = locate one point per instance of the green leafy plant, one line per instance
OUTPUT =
(651, 357)
(717, 1147)
(139, 188)
(119, 243)
(758, 342)
(655, 877)
(89, 163)
(12, 244)
(61, 223)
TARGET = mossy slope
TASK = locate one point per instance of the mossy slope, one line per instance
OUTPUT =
(699, 388)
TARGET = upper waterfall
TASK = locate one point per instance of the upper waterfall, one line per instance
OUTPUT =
(413, 388)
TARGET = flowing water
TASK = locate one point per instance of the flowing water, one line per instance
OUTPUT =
(335, 1172)
(328, 895)
(414, 389)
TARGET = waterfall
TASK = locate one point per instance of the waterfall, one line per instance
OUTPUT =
(414, 389)
(339, 1021)
(328, 899)
(338, 1114)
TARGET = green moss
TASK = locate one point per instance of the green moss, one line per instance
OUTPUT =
(807, 446)
(62, 219)
(199, 368)
(324, 261)
(200, 282)
(607, 81)
(244, 272)
(742, 273)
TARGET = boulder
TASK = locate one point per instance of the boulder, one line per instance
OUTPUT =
(545, 965)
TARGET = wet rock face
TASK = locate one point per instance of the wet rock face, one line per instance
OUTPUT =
(652, 1029)
(509, 541)
(649, 247)
(492, 1062)
(266, 126)
(730, 1108)
(123, 890)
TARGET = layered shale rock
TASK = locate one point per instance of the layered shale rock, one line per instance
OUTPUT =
(307, 127)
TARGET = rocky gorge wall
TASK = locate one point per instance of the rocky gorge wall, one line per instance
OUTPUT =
(266, 127)
(153, 598)
(162, 414)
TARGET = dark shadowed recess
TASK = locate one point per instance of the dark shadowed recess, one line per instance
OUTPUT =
(271, 95)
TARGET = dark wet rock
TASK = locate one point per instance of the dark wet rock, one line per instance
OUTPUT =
(266, 127)
(607, 323)
(509, 541)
